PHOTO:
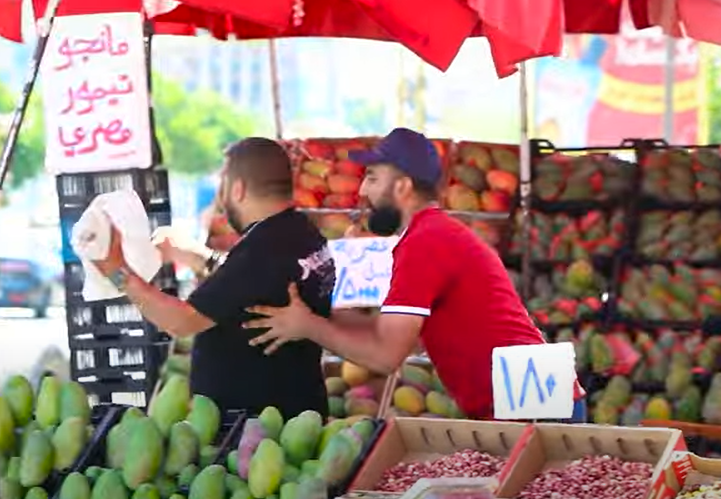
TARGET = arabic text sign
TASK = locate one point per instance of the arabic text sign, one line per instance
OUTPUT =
(95, 94)
(363, 269)
(534, 381)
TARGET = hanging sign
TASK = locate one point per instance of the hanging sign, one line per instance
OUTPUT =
(534, 381)
(95, 94)
(363, 269)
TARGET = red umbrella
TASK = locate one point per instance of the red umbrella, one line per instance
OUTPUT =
(10, 25)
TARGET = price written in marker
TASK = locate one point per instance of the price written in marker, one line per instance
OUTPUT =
(534, 381)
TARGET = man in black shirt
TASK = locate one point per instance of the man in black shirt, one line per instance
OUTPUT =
(278, 246)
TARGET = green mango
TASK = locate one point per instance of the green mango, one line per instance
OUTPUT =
(290, 473)
(209, 484)
(171, 404)
(110, 486)
(204, 417)
(208, 455)
(47, 408)
(336, 460)
(20, 396)
(68, 442)
(144, 453)
(188, 474)
(10, 489)
(13, 471)
(166, 486)
(266, 467)
(234, 482)
(7, 427)
(74, 402)
(36, 460)
(231, 462)
(328, 431)
(272, 421)
(93, 473)
(300, 435)
(183, 448)
(75, 486)
(146, 491)
(36, 493)
(289, 490)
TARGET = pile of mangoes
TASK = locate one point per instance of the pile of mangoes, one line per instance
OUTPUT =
(680, 235)
(41, 435)
(681, 175)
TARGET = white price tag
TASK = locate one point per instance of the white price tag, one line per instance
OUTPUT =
(534, 381)
(363, 269)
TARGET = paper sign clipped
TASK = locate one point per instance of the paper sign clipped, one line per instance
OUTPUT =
(534, 381)
(363, 269)
(95, 93)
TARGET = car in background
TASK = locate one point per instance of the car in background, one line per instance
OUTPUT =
(22, 285)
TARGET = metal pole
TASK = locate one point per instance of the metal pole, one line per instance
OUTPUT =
(525, 191)
(669, 80)
(44, 27)
(275, 89)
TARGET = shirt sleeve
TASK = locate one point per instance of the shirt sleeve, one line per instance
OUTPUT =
(238, 283)
(420, 276)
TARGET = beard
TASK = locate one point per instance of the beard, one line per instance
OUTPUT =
(385, 218)
(233, 218)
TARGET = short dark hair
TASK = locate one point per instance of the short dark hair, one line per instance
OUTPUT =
(426, 190)
(263, 165)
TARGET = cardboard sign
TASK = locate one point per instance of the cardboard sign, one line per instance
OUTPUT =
(363, 270)
(534, 381)
(95, 94)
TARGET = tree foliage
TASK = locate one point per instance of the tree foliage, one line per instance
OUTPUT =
(714, 99)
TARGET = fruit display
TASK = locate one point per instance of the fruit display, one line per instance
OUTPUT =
(41, 434)
(593, 177)
(567, 293)
(674, 293)
(682, 176)
(562, 237)
(354, 391)
(483, 177)
(698, 491)
(462, 464)
(601, 477)
(680, 235)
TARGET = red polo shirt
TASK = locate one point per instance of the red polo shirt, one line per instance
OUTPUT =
(446, 273)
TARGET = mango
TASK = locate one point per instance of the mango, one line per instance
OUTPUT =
(253, 434)
(437, 384)
(144, 453)
(132, 414)
(13, 471)
(177, 496)
(18, 392)
(171, 404)
(438, 404)
(7, 427)
(36, 493)
(118, 438)
(233, 483)
(417, 377)
(47, 409)
(354, 375)
(183, 448)
(204, 418)
(146, 491)
(272, 421)
(166, 486)
(68, 442)
(409, 399)
(361, 392)
(110, 486)
(36, 460)
(74, 402)
(208, 454)
(312, 488)
(4, 461)
(243, 493)
(343, 184)
(290, 473)
(209, 484)
(188, 474)
(365, 428)
(266, 469)
(658, 408)
(231, 462)
(361, 407)
(300, 436)
(336, 460)
(328, 431)
(335, 386)
(462, 198)
(93, 473)
(309, 467)
(336, 407)
(10, 489)
(288, 491)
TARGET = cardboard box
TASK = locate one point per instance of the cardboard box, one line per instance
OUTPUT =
(674, 477)
(552, 446)
(422, 439)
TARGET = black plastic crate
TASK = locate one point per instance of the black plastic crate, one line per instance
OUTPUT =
(75, 278)
(106, 360)
(131, 389)
(157, 216)
(78, 190)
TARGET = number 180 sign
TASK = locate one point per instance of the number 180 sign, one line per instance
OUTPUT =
(534, 381)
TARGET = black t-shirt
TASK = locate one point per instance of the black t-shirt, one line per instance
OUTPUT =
(274, 252)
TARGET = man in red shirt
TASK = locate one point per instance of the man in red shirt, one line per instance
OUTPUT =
(447, 285)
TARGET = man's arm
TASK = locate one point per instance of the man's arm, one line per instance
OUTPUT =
(354, 319)
(381, 349)
(168, 313)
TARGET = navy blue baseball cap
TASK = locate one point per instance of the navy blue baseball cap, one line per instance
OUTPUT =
(411, 152)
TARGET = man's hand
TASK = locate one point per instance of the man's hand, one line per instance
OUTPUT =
(115, 260)
(291, 323)
(175, 248)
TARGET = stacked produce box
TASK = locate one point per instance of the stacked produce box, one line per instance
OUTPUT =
(115, 353)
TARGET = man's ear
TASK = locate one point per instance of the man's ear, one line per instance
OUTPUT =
(237, 190)
(404, 187)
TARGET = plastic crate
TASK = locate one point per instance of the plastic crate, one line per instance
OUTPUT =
(78, 190)
(131, 389)
(117, 320)
(106, 360)
(75, 278)
(157, 216)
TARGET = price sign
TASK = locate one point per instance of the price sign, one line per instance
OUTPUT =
(95, 94)
(534, 381)
(363, 269)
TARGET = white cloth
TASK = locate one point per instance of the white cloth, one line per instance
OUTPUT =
(91, 241)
